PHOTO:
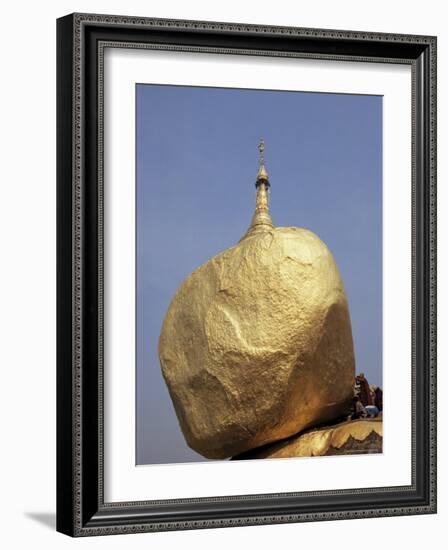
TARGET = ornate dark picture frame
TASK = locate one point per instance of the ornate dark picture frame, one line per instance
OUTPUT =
(81, 509)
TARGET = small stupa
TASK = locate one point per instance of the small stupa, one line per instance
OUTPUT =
(256, 345)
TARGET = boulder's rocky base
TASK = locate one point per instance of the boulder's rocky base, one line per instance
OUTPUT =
(347, 438)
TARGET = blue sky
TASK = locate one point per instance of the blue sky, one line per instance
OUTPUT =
(197, 160)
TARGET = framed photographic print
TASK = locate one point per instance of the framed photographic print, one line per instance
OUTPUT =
(246, 274)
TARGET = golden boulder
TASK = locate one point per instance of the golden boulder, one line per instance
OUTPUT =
(256, 344)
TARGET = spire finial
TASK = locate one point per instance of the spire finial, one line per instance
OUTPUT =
(261, 149)
(262, 176)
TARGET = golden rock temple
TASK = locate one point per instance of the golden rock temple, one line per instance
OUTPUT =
(256, 345)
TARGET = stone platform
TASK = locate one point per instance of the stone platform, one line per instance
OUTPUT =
(347, 438)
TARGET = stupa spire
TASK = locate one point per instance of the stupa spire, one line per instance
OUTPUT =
(261, 220)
